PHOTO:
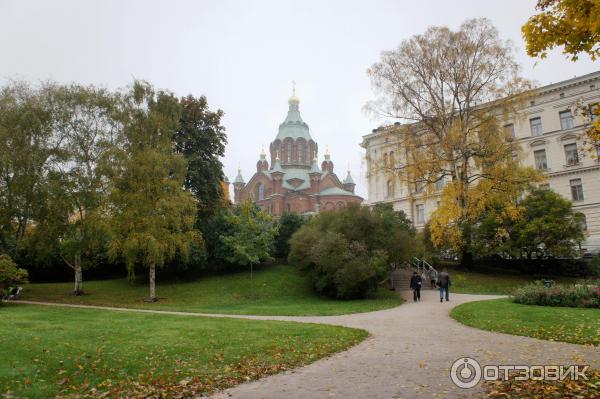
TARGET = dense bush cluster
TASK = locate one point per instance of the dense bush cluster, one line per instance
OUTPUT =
(347, 253)
(577, 295)
(544, 226)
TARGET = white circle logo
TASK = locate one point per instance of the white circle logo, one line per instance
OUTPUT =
(465, 372)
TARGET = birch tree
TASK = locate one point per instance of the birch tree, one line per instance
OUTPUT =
(152, 215)
(90, 132)
(451, 92)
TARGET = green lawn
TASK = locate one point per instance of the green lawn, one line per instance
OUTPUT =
(276, 290)
(575, 325)
(470, 282)
(47, 352)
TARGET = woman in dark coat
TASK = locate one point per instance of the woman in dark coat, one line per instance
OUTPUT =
(415, 285)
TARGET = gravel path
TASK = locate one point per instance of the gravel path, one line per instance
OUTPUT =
(408, 354)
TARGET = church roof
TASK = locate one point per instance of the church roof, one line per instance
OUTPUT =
(314, 167)
(293, 126)
(349, 179)
(276, 166)
(239, 178)
(295, 179)
(335, 191)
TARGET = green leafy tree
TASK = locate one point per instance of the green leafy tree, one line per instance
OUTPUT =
(252, 237)
(10, 274)
(346, 253)
(288, 224)
(345, 269)
(213, 228)
(152, 214)
(29, 148)
(201, 139)
(73, 224)
(548, 227)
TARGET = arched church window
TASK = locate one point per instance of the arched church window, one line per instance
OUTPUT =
(392, 159)
(385, 160)
(260, 190)
(289, 151)
(300, 152)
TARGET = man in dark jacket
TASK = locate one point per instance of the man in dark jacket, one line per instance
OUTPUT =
(444, 284)
(415, 285)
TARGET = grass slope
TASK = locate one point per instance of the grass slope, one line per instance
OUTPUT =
(276, 290)
(574, 325)
(58, 351)
(470, 282)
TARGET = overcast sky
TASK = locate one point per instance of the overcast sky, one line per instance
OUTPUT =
(243, 55)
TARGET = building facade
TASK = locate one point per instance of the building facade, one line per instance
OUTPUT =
(551, 136)
(292, 181)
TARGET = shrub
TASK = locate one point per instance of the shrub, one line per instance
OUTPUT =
(10, 274)
(345, 254)
(594, 266)
(288, 224)
(575, 295)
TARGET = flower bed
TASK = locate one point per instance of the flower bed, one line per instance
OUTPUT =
(584, 295)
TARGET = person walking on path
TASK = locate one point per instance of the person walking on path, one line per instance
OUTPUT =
(433, 275)
(415, 284)
(444, 284)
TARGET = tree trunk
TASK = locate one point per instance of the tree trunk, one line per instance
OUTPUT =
(152, 279)
(78, 289)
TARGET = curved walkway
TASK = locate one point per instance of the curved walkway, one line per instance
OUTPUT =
(408, 355)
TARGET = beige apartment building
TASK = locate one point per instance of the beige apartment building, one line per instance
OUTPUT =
(551, 135)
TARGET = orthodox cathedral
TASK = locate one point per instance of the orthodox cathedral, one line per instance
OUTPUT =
(294, 182)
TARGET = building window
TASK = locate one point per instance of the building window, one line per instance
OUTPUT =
(509, 130)
(566, 120)
(420, 213)
(536, 126)
(300, 153)
(392, 160)
(289, 208)
(540, 159)
(583, 222)
(571, 154)
(562, 95)
(289, 151)
(576, 189)
(439, 183)
(260, 191)
(545, 186)
(390, 189)
(385, 160)
(419, 186)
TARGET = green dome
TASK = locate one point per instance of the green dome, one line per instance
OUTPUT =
(293, 126)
